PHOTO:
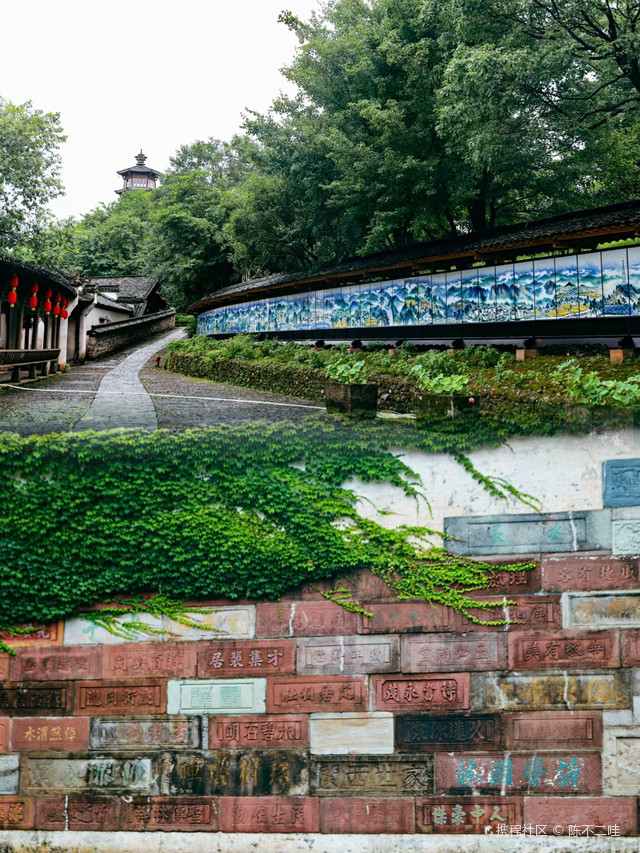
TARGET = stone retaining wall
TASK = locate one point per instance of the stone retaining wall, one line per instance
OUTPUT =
(111, 337)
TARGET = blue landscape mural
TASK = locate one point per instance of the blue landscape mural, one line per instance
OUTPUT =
(597, 284)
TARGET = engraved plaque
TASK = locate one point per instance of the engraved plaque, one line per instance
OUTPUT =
(541, 692)
(602, 610)
(597, 813)
(246, 773)
(361, 775)
(625, 537)
(589, 573)
(97, 814)
(174, 733)
(421, 692)
(366, 815)
(16, 813)
(458, 815)
(348, 655)
(450, 733)
(139, 697)
(452, 652)
(533, 613)
(304, 619)
(349, 734)
(171, 814)
(45, 775)
(177, 660)
(56, 664)
(317, 693)
(247, 658)
(260, 731)
(563, 651)
(553, 730)
(42, 635)
(269, 814)
(621, 759)
(36, 734)
(621, 481)
(52, 699)
(224, 696)
(9, 767)
(413, 617)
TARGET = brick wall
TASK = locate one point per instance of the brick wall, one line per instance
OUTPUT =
(111, 337)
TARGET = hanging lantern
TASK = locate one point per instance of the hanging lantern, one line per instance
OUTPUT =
(34, 287)
(48, 293)
(13, 296)
(33, 302)
(64, 313)
(47, 306)
(65, 302)
(56, 310)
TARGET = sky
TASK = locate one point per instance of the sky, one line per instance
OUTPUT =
(151, 75)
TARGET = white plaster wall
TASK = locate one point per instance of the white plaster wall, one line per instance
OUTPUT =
(564, 472)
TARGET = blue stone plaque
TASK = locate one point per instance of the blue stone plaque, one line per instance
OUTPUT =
(621, 482)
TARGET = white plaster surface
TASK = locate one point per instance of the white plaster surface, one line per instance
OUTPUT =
(219, 622)
(564, 472)
(217, 696)
(82, 632)
(351, 733)
(23, 841)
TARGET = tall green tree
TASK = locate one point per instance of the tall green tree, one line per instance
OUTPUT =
(29, 169)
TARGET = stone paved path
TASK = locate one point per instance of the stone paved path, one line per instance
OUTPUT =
(122, 391)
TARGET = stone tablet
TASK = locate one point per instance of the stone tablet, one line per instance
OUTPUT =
(630, 648)
(249, 658)
(9, 772)
(621, 760)
(555, 816)
(261, 731)
(592, 611)
(125, 735)
(453, 732)
(237, 772)
(170, 814)
(67, 775)
(414, 617)
(563, 651)
(453, 652)
(5, 727)
(224, 696)
(528, 613)
(37, 734)
(529, 533)
(543, 730)
(361, 775)
(456, 815)
(559, 773)
(625, 537)
(348, 655)
(304, 619)
(621, 482)
(24, 701)
(602, 691)
(589, 573)
(16, 813)
(57, 664)
(365, 815)
(41, 635)
(503, 582)
(269, 814)
(317, 693)
(88, 814)
(157, 660)
(137, 697)
(349, 734)
(421, 692)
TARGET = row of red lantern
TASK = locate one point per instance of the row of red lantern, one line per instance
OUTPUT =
(59, 309)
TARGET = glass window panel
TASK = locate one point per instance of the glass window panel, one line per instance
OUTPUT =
(615, 281)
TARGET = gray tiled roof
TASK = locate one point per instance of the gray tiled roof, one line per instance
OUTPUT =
(129, 288)
(36, 271)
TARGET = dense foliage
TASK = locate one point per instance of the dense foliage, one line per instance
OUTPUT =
(249, 511)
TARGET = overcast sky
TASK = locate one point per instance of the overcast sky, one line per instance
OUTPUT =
(150, 75)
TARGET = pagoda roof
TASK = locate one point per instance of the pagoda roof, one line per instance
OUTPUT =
(139, 170)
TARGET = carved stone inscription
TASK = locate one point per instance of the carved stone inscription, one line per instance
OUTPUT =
(25, 700)
(136, 734)
(87, 814)
(626, 537)
(16, 813)
(247, 658)
(55, 733)
(562, 651)
(156, 660)
(143, 697)
(463, 815)
(421, 692)
(348, 655)
(524, 692)
(406, 617)
(601, 610)
(221, 696)
(260, 731)
(453, 653)
(447, 734)
(316, 693)
(62, 775)
(55, 664)
(526, 613)
(588, 573)
(621, 482)
(183, 814)
(245, 773)
(269, 814)
(41, 635)
(361, 775)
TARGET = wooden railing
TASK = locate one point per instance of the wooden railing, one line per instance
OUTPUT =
(27, 356)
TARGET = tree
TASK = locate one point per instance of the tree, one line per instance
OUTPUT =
(29, 169)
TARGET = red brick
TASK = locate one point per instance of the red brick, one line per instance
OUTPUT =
(104, 698)
(149, 660)
(42, 635)
(282, 731)
(582, 574)
(362, 586)
(557, 730)
(561, 773)
(316, 693)
(304, 619)
(87, 813)
(451, 652)
(56, 664)
(501, 582)
(555, 813)
(171, 814)
(563, 651)
(458, 815)
(39, 734)
(405, 617)
(5, 726)
(367, 815)
(248, 658)
(420, 692)
(4, 666)
(630, 642)
(269, 814)
(16, 812)
(529, 613)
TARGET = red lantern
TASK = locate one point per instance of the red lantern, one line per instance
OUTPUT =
(65, 302)
(47, 306)
(13, 284)
(64, 313)
(58, 297)
(12, 298)
(56, 310)
(34, 287)
(48, 293)
(33, 302)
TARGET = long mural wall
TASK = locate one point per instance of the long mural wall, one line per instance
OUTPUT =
(596, 284)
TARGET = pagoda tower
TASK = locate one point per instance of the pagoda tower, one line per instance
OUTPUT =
(138, 177)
